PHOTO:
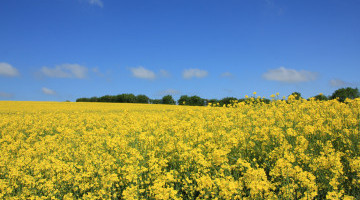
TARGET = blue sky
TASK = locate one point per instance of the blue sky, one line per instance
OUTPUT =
(56, 50)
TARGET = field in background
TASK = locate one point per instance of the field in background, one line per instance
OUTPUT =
(281, 150)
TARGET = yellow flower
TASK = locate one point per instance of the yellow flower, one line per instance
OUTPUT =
(246, 150)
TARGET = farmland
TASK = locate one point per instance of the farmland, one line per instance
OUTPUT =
(295, 149)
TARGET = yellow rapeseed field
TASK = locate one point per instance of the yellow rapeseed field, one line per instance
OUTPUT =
(294, 149)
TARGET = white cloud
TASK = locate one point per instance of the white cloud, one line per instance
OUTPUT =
(227, 75)
(141, 72)
(164, 73)
(97, 72)
(6, 95)
(197, 73)
(96, 3)
(65, 71)
(48, 91)
(289, 75)
(169, 92)
(337, 83)
(8, 70)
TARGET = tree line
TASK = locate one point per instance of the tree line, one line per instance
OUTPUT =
(128, 98)
(340, 94)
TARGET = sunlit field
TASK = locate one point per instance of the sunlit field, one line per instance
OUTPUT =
(282, 150)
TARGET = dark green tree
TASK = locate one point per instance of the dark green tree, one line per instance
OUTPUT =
(242, 100)
(83, 99)
(297, 95)
(265, 100)
(343, 93)
(130, 98)
(106, 98)
(196, 101)
(155, 101)
(321, 97)
(184, 100)
(120, 98)
(168, 99)
(227, 100)
(93, 99)
(212, 101)
(142, 99)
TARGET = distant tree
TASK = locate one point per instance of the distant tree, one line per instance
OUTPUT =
(93, 99)
(212, 101)
(196, 101)
(265, 100)
(130, 98)
(142, 99)
(297, 95)
(227, 100)
(155, 101)
(83, 99)
(119, 98)
(124, 98)
(320, 97)
(242, 100)
(168, 99)
(343, 93)
(106, 98)
(184, 100)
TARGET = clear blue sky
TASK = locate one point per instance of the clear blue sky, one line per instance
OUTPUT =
(56, 50)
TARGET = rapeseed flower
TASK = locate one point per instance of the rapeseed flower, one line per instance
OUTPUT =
(294, 149)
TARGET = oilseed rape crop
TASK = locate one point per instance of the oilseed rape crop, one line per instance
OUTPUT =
(294, 149)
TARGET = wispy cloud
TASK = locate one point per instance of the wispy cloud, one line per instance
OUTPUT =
(96, 3)
(65, 71)
(338, 83)
(8, 70)
(289, 75)
(227, 75)
(168, 92)
(97, 72)
(165, 73)
(142, 73)
(6, 95)
(48, 91)
(194, 73)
